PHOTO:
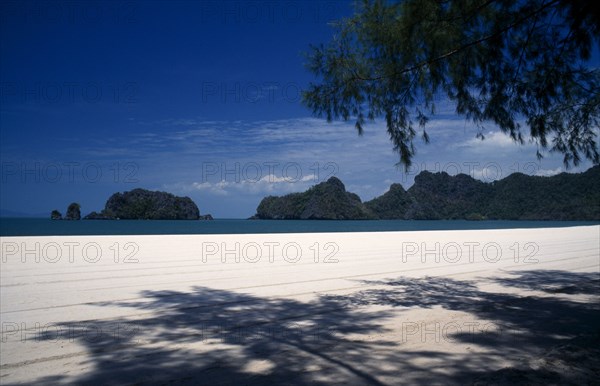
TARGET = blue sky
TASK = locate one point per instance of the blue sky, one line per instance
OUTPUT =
(199, 99)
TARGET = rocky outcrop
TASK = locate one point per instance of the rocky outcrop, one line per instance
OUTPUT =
(73, 212)
(439, 196)
(55, 215)
(566, 196)
(434, 196)
(103, 215)
(326, 201)
(141, 204)
(394, 204)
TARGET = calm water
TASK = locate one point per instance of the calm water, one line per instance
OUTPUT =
(47, 227)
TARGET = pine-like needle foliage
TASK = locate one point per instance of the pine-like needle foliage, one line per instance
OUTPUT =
(521, 65)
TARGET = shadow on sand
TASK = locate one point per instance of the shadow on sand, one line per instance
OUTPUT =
(220, 337)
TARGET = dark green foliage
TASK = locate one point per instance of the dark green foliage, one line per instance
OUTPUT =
(561, 197)
(505, 63)
(393, 204)
(517, 197)
(439, 196)
(73, 212)
(103, 215)
(141, 204)
(325, 201)
(56, 215)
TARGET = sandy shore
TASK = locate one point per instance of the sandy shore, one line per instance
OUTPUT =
(438, 307)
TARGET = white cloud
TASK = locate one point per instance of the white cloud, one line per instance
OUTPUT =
(549, 172)
(266, 185)
(173, 153)
(494, 141)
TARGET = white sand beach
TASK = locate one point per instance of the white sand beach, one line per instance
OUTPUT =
(435, 307)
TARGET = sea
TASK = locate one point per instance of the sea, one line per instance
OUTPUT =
(47, 227)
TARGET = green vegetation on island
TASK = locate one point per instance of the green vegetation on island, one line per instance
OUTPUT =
(73, 213)
(325, 201)
(439, 196)
(140, 204)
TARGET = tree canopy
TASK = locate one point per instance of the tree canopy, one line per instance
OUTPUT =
(523, 66)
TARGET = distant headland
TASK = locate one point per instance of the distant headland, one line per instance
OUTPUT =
(433, 196)
(439, 196)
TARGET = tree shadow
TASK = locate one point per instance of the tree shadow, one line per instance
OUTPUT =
(556, 332)
(223, 337)
(532, 320)
(243, 339)
(553, 281)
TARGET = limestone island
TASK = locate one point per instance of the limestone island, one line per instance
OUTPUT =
(141, 204)
(439, 196)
